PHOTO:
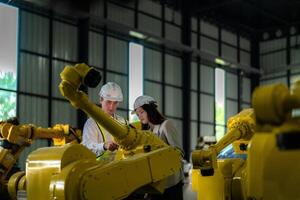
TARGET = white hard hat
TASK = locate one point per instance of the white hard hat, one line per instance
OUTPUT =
(142, 100)
(111, 91)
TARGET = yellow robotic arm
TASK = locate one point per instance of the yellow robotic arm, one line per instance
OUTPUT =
(72, 172)
(14, 138)
(271, 170)
(212, 178)
(240, 127)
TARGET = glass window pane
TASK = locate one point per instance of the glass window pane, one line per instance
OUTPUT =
(7, 104)
(273, 61)
(173, 70)
(274, 75)
(33, 110)
(153, 65)
(173, 104)
(96, 49)
(245, 58)
(136, 61)
(295, 55)
(246, 92)
(231, 108)
(207, 79)
(173, 32)
(207, 129)
(63, 113)
(229, 37)
(172, 15)
(209, 29)
(271, 45)
(149, 24)
(117, 55)
(231, 85)
(154, 90)
(8, 79)
(65, 38)
(8, 48)
(267, 82)
(34, 74)
(229, 53)
(244, 43)
(120, 14)
(35, 33)
(207, 108)
(208, 45)
(220, 96)
(150, 7)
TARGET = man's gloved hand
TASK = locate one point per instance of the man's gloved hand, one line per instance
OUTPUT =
(110, 145)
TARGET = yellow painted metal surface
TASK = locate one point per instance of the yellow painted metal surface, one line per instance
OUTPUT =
(271, 170)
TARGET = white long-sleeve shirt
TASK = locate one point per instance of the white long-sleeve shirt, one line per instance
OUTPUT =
(167, 132)
(92, 137)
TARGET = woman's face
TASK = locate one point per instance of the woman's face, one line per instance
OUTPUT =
(142, 115)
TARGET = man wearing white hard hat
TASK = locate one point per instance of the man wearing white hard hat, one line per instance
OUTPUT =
(95, 137)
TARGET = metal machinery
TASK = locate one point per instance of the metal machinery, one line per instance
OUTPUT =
(271, 169)
(72, 172)
(13, 140)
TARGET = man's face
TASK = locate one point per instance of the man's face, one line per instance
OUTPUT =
(108, 106)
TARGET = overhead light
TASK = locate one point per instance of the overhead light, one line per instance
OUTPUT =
(137, 34)
(220, 61)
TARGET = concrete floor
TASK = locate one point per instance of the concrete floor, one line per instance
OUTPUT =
(188, 194)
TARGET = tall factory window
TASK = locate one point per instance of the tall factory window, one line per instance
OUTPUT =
(136, 60)
(8, 60)
(220, 103)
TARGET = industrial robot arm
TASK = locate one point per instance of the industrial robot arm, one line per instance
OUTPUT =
(75, 174)
(239, 126)
(14, 138)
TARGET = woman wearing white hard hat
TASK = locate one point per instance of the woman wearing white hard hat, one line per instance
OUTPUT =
(145, 108)
(95, 137)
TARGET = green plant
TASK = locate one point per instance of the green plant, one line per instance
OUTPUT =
(7, 98)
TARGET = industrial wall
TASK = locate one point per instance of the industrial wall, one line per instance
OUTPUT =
(280, 59)
(48, 41)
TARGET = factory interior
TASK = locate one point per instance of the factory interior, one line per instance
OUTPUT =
(150, 99)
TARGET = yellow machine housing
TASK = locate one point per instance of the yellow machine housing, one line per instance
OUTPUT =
(72, 172)
(14, 138)
(271, 170)
(274, 154)
(212, 179)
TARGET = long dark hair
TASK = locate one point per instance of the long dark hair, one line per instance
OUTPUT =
(154, 116)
